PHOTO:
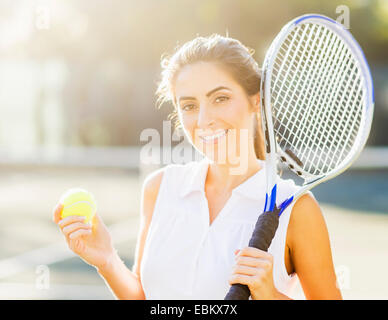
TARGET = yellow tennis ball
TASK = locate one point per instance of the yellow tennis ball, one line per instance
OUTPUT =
(78, 202)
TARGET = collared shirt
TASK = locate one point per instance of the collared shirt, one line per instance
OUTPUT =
(185, 257)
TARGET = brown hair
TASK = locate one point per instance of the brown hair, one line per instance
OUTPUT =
(228, 53)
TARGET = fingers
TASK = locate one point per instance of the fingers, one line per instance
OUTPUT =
(254, 253)
(245, 270)
(73, 229)
(69, 220)
(252, 267)
(241, 278)
(57, 212)
(247, 275)
(252, 262)
(79, 233)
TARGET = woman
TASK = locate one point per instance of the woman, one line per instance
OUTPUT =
(196, 219)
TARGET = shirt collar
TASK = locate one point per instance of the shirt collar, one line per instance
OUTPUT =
(196, 178)
(252, 188)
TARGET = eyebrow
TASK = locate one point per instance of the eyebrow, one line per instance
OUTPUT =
(207, 94)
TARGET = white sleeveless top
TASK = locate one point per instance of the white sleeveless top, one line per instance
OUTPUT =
(184, 257)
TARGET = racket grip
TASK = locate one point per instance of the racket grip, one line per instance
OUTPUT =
(265, 230)
(262, 236)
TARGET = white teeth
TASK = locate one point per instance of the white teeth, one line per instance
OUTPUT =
(219, 134)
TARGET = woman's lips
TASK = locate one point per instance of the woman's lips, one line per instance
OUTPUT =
(213, 138)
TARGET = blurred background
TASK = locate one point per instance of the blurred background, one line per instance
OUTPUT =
(77, 83)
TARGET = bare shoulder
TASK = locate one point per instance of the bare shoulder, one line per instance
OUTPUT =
(152, 181)
(306, 217)
(150, 191)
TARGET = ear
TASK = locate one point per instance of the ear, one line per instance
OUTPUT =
(255, 101)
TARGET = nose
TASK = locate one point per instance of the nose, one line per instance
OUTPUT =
(205, 117)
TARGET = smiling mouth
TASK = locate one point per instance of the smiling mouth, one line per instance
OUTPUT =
(214, 137)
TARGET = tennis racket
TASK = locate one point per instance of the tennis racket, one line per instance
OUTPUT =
(317, 104)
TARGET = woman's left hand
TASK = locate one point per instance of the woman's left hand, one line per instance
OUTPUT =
(254, 269)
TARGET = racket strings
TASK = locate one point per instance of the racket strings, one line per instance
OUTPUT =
(350, 122)
(316, 98)
(296, 88)
(296, 119)
(291, 116)
(310, 108)
(321, 114)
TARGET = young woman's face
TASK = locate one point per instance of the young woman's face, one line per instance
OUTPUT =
(215, 112)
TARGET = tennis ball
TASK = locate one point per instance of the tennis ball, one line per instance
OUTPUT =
(78, 202)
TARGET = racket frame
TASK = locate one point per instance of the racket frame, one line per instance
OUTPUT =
(273, 151)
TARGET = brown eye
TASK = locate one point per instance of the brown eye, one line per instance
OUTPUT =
(188, 107)
(221, 99)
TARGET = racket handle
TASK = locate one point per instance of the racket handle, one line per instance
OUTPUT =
(262, 236)
(265, 229)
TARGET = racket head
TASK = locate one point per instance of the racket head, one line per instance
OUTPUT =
(317, 100)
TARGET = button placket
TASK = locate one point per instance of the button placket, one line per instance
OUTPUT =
(205, 216)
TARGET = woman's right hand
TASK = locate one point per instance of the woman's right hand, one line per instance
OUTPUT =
(92, 242)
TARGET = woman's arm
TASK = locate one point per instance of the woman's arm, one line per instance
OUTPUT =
(124, 283)
(310, 252)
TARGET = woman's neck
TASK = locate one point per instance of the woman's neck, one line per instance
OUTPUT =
(224, 178)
